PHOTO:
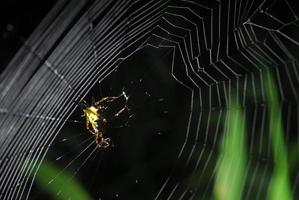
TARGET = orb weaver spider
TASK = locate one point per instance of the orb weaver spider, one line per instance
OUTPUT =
(96, 122)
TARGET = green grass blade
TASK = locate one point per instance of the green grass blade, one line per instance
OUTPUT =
(64, 184)
(279, 185)
(231, 172)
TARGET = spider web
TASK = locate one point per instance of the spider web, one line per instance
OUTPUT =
(180, 63)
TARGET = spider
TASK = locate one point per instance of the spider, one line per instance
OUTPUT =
(96, 122)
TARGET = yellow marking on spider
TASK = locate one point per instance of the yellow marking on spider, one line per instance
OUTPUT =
(97, 122)
(92, 116)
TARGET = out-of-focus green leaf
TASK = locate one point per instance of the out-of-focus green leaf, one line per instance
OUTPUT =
(64, 186)
(279, 186)
(231, 172)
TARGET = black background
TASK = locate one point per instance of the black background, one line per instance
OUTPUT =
(17, 21)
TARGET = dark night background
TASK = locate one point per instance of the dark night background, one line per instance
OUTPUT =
(17, 21)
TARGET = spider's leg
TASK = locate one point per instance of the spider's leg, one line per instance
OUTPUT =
(101, 143)
(107, 140)
(87, 127)
(120, 111)
(87, 124)
(105, 99)
(99, 136)
(104, 142)
(97, 139)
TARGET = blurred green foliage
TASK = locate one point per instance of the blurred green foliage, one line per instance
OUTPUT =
(232, 159)
(280, 185)
(65, 186)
